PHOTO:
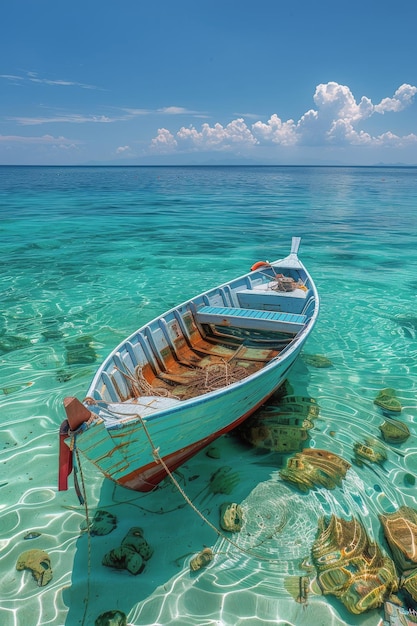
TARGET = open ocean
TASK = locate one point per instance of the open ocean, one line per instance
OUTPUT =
(88, 254)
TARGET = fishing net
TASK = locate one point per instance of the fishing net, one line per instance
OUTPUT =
(198, 381)
(214, 377)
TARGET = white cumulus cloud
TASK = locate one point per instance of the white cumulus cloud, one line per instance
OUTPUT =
(276, 131)
(123, 149)
(335, 121)
(164, 142)
(217, 137)
(401, 99)
(342, 132)
(337, 102)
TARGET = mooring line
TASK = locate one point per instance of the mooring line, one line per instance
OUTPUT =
(87, 518)
(159, 459)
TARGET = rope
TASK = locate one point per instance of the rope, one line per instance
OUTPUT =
(160, 460)
(203, 380)
(280, 284)
(87, 517)
(214, 377)
(140, 385)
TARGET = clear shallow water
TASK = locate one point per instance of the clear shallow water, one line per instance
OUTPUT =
(93, 253)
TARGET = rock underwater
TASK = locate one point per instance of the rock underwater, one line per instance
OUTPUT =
(231, 517)
(388, 401)
(400, 530)
(102, 523)
(316, 360)
(352, 567)
(371, 451)
(79, 350)
(132, 554)
(111, 618)
(39, 563)
(394, 431)
(202, 559)
(311, 468)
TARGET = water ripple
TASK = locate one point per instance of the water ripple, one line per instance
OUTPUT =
(95, 252)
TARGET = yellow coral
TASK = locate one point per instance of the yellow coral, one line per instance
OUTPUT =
(39, 563)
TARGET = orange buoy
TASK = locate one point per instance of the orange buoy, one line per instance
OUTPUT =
(259, 264)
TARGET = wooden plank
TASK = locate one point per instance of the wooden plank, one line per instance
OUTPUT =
(251, 318)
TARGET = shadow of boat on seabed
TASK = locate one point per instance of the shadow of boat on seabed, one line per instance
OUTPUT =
(168, 524)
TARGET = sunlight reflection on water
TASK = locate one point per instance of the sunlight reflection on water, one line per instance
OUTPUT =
(94, 254)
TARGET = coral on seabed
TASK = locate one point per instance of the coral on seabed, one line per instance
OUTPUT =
(410, 584)
(231, 517)
(312, 467)
(39, 563)
(80, 351)
(351, 566)
(400, 530)
(8, 343)
(387, 400)
(131, 554)
(102, 523)
(213, 452)
(202, 559)
(111, 618)
(371, 451)
(316, 360)
(394, 431)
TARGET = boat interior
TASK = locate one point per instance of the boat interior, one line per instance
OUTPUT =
(219, 337)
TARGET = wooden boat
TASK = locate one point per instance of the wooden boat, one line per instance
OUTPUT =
(191, 375)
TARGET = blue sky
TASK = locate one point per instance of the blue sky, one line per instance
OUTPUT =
(208, 81)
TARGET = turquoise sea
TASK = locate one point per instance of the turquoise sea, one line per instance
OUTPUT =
(87, 256)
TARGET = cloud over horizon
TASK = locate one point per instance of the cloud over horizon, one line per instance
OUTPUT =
(338, 126)
(335, 122)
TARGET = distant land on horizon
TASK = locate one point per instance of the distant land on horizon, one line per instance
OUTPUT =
(231, 163)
